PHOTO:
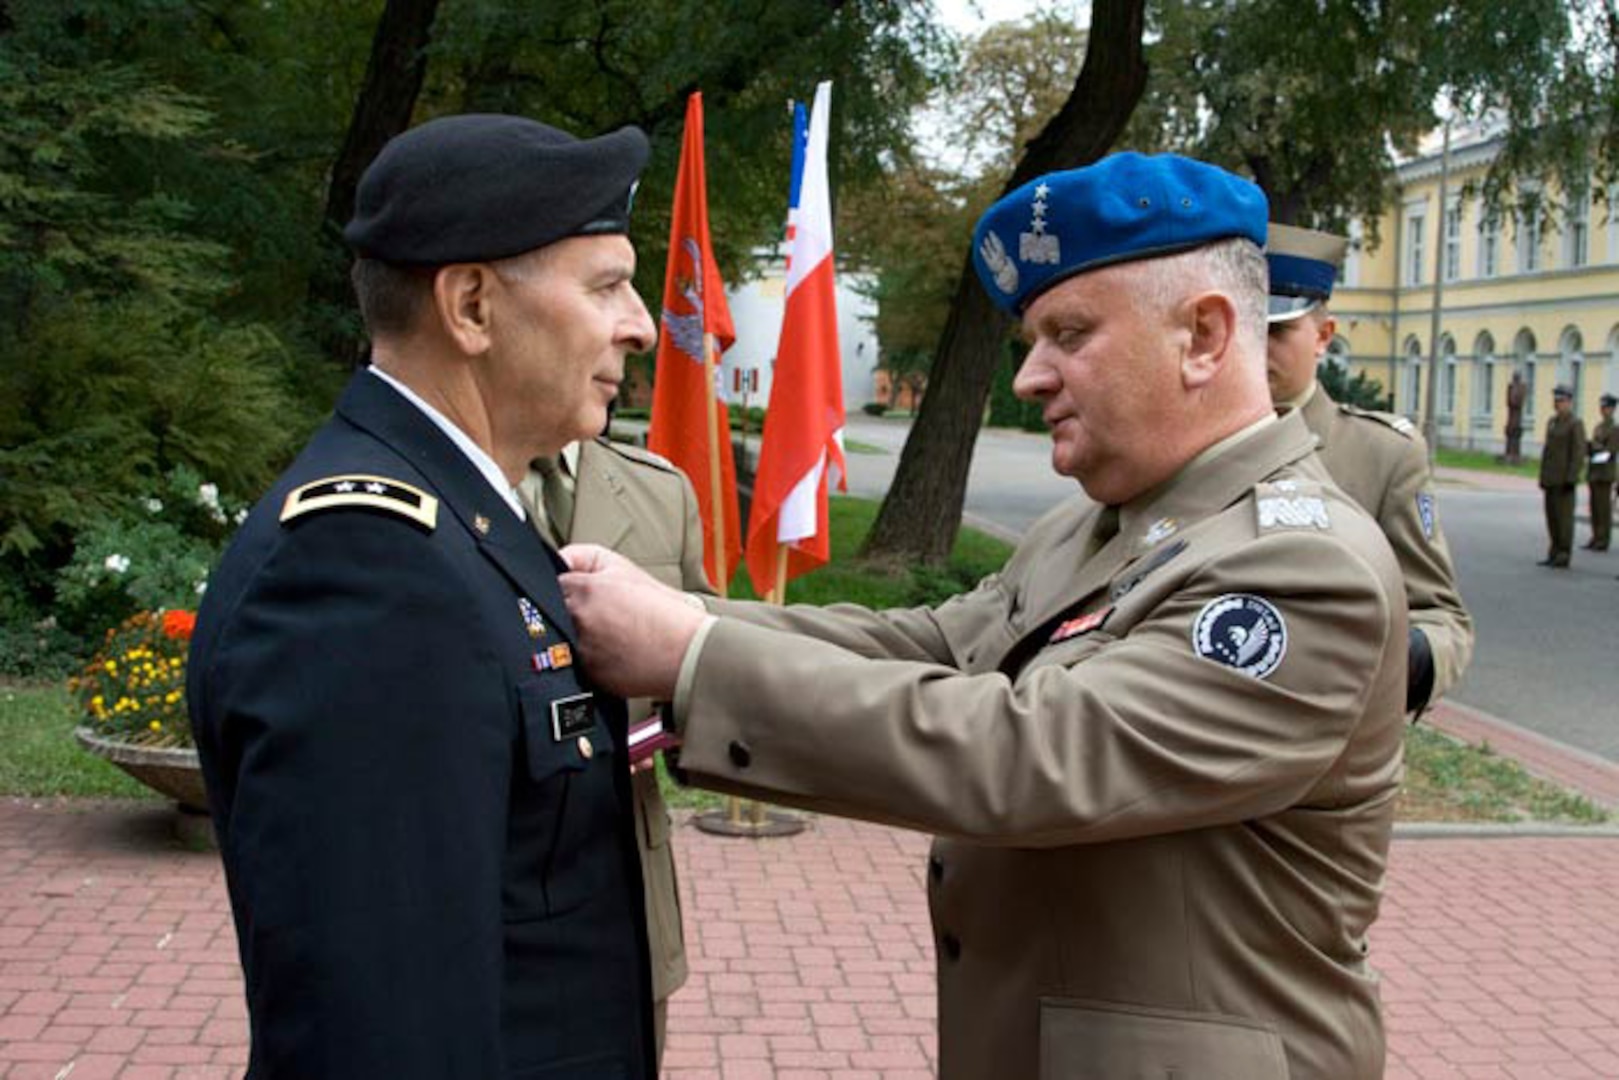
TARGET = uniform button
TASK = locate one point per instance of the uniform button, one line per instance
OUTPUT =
(951, 946)
(935, 869)
(741, 756)
(586, 751)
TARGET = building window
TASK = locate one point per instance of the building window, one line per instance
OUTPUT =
(1529, 240)
(1447, 380)
(1351, 269)
(1413, 377)
(1579, 230)
(1489, 245)
(1484, 381)
(1414, 226)
(1453, 241)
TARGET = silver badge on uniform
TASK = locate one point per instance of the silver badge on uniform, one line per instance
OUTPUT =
(1293, 512)
(1037, 245)
(1241, 631)
(1425, 511)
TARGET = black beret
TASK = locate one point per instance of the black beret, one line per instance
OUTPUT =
(481, 187)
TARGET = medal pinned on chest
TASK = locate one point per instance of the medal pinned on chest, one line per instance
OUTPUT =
(532, 622)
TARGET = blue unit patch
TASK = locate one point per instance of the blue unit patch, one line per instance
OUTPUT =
(1425, 510)
(1241, 631)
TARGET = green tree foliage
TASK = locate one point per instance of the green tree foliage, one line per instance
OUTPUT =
(1359, 389)
(1316, 103)
(164, 172)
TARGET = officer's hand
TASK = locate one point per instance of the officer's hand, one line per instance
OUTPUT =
(633, 631)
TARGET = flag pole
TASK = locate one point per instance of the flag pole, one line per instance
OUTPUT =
(714, 472)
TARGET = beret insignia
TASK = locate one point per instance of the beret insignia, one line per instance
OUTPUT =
(367, 492)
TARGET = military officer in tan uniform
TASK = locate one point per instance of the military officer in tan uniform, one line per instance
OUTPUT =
(1562, 455)
(1378, 458)
(1160, 749)
(642, 506)
(1600, 475)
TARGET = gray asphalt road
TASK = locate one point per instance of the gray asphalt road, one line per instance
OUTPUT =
(1546, 656)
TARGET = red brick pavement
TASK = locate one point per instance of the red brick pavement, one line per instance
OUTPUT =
(812, 958)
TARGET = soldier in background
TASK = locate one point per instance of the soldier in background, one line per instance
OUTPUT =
(1562, 455)
(1600, 475)
(1517, 394)
(643, 507)
(1378, 458)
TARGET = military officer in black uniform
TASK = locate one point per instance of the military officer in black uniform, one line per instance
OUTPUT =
(423, 806)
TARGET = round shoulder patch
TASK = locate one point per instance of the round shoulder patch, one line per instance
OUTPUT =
(1241, 631)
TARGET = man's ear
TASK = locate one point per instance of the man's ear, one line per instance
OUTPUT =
(1326, 328)
(461, 302)
(1212, 326)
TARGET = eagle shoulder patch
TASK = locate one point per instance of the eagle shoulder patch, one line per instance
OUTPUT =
(1241, 631)
(359, 491)
(1290, 504)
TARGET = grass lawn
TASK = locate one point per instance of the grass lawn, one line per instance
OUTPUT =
(1486, 462)
(41, 756)
(1445, 781)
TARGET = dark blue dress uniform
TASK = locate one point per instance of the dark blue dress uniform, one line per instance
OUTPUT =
(423, 809)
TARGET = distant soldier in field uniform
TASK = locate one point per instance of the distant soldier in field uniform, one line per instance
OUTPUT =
(1600, 475)
(643, 507)
(1160, 749)
(1562, 456)
(1378, 458)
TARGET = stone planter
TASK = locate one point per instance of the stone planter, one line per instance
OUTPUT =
(156, 762)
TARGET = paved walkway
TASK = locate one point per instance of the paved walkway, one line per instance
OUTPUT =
(812, 958)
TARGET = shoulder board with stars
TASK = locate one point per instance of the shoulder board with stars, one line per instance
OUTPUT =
(369, 492)
(1290, 504)
(1392, 421)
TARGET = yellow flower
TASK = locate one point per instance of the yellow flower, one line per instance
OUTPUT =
(156, 725)
(111, 666)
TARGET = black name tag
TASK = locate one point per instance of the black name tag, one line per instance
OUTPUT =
(572, 716)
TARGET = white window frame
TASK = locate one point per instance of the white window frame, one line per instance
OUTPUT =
(1452, 252)
(1416, 226)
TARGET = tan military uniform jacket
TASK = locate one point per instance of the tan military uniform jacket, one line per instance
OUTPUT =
(1562, 455)
(1604, 439)
(1381, 461)
(1162, 776)
(644, 508)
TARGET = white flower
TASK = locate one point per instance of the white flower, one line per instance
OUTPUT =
(241, 515)
(154, 506)
(216, 513)
(202, 587)
(208, 495)
(117, 563)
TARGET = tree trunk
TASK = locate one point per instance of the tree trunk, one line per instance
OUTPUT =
(393, 79)
(920, 516)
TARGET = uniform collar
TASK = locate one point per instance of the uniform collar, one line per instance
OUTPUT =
(1215, 478)
(463, 442)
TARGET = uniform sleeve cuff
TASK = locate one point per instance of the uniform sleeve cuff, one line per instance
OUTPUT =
(688, 669)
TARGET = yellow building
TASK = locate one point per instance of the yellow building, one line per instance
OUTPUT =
(1515, 296)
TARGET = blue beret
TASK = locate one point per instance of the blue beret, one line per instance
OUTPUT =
(481, 187)
(1126, 206)
(1303, 267)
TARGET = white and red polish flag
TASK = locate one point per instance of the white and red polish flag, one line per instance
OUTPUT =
(803, 431)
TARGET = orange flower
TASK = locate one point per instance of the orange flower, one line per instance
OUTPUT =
(179, 624)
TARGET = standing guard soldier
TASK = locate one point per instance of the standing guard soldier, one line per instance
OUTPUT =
(642, 506)
(1600, 475)
(1562, 455)
(1378, 458)
(423, 804)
